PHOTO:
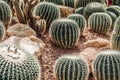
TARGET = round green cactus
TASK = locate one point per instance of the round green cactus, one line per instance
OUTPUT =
(93, 8)
(47, 11)
(64, 33)
(5, 13)
(40, 28)
(113, 17)
(83, 3)
(2, 31)
(116, 2)
(71, 68)
(79, 10)
(100, 22)
(80, 21)
(17, 64)
(115, 9)
(60, 2)
(106, 66)
(69, 3)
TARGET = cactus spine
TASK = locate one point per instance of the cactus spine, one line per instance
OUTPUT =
(40, 28)
(79, 10)
(93, 8)
(71, 68)
(17, 64)
(80, 21)
(100, 22)
(47, 11)
(5, 13)
(2, 31)
(115, 9)
(106, 66)
(64, 33)
(115, 38)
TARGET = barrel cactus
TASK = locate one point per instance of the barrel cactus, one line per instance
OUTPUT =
(113, 17)
(60, 2)
(115, 9)
(40, 28)
(2, 31)
(115, 37)
(17, 64)
(79, 10)
(64, 33)
(80, 21)
(116, 2)
(93, 8)
(69, 3)
(5, 13)
(47, 11)
(100, 22)
(71, 68)
(83, 3)
(107, 66)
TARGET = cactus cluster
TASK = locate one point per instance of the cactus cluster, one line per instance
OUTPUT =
(64, 33)
(80, 10)
(116, 2)
(40, 28)
(115, 9)
(47, 11)
(71, 68)
(2, 31)
(93, 8)
(17, 64)
(80, 20)
(107, 66)
(100, 22)
(5, 13)
(115, 38)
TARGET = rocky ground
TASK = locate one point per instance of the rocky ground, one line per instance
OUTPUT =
(88, 46)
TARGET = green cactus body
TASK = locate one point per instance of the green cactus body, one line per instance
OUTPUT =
(69, 3)
(17, 64)
(41, 26)
(107, 66)
(83, 3)
(113, 17)
(79, 10)
(80, 21)
(116, 2)
(71, 68)
(64, 33)
(47, 11)
(115, 9)
(2, 31)
(100, 22)
(9, 2)
(117, 26)
(5, 13)
(93, 8)
(59, 2)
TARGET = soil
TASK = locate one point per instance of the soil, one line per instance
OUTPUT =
(52, 52)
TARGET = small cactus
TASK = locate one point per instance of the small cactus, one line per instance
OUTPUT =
(100, 22)
(40, 28)
(113, 17)
(80, 21)
(115, 9)
(71, 68)
(2, 31)
(64, 33)
(17, 64)
(79, 10)
(107, 66)
(5, 13)
(93, 8)
(47, 11)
